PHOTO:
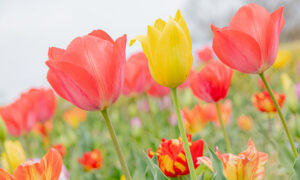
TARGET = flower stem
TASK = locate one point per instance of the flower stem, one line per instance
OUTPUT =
(262, 76)
(7, 158)
(228, 146)
(183, 136)
(116, 144)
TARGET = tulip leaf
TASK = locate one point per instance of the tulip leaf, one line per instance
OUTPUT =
(203, 170)
(217, 166)
(296, 167)
(156, 172)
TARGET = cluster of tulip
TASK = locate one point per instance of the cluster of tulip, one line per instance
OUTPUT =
(92, 72)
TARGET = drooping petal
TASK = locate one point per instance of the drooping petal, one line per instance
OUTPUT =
(237, 50)
(74, 84)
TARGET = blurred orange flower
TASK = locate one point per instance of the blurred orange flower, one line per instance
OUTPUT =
(245, 123)
(211, 113)
(91, 160)
(194, 119)
(263, 102)
(60, 148)
(43, 128)
(248, 165)
(171, 157)
(74, 116)
(49, 168)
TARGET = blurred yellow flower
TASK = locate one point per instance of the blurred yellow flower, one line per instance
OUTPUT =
(245, 123)
(168, 48)
(283, 58)
(122, 177)
(74, 116)
(15, 154)
(288, 89)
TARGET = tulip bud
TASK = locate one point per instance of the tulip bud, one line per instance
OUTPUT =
(3, 131)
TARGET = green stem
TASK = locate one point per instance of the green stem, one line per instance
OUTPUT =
(262, 76)
(228, 146)
(116, 144)
(7, 158)
(183, 136)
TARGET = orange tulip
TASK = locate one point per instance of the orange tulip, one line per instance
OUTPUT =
(91, 160)
(245, 123)
(60, 148)
(74, 116)
(194, 119)
(263, 102)
(49, 168)
(248, 165)
(211, 113)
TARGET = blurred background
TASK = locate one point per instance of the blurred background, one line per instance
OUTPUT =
(29, 28)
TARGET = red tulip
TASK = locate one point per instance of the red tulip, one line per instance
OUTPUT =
(250, 43)
(205, 54)
(137, 75)
(35, 105)
(91, 160)
(157, 90)
(89, 73)
(211, 84)
(171, 156)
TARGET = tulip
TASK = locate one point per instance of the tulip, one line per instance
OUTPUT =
(171, 156)
(211, 84)
(211, 113)
(194, 119)
(48, 168)
(91, 160)
(168, 48)
(248, 165)
(283, 58)
(90, 74)
(205, 54)
(137, 76)
(250, 44)
(13, 155)
(156, 90)
(60, 148)
(263, 102)
(245, 123)
(288, 89)
(74, 116)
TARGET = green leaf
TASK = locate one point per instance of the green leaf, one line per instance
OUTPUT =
(203, 170)
(296, 167)
(201, 177)
(217, 165)
(156, 172)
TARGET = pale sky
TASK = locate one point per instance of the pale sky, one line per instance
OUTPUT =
(29, 27)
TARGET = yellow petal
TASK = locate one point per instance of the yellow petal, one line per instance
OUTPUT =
(160, 24)
(15, 156)
(180, 20)
(145, 44)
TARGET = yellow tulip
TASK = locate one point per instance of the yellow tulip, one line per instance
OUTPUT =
(74, 116)
(15, 154)
(289, 91)
(168, 48)
(283, 58)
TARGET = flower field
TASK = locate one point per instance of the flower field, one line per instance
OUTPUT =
(228, 110)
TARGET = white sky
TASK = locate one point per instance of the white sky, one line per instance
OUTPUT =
(29, 27)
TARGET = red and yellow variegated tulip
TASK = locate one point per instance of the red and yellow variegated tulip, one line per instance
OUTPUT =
(48, 168)
(263, 102)
(91, 160)
(60, 148)
(248, 165)
(171, 157)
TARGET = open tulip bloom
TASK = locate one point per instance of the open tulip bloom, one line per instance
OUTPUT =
(168, 47)
(250, 45)
(90, 74)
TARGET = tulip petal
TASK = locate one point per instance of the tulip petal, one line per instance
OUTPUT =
(55, 53)
(174, 57)
(237, 50)
(180, 20)
(51, 164)
(5, 175)
(81, 86)
(145, 44)
(277, 17)
(160, 24)
(102, 35)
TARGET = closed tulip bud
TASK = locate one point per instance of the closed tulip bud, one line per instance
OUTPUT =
(168, 48)
(15, 155)
(288, 89)
(3, 131)
(283, 58)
